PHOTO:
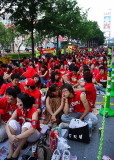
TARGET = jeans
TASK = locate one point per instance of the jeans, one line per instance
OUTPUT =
(100, 88)
(68, 117)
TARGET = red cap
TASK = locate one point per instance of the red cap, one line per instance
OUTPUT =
(30, 82)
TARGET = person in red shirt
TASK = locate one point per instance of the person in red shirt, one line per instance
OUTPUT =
(15, 82)
(72, 77)
(89, 89)
(23, 125)
(101, 79)
(17, 69)
(55, 79)
(7, 107)
(44, 75)
(8, 73)
(30, 72)
(33, 91)
(37, 80)
(76, 103)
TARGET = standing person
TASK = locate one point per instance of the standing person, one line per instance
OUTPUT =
(77, 104)
(23, 125)
(7, 107)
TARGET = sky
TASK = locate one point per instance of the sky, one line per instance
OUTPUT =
(97, 9)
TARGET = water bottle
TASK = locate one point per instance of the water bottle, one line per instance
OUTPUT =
(59, 131)
(90, 127)
(106, 114)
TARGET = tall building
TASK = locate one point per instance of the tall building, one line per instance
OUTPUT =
(5, 19)
(107, 24)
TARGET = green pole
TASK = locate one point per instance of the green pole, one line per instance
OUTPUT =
(107, 98)
(112, 87)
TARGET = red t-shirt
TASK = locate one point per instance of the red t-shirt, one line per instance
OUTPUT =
(90, 93)
(30, 72)
(6, 109)
(36, 94)
(26, 116)
(50, 82)
(18, 71)
(76, 103)
(74, 78)
(102, 79)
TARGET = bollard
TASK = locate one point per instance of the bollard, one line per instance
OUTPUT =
(107, 108)
(112, 85)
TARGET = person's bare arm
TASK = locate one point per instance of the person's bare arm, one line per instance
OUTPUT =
(85, 104)
(43, 75)
(80, 89)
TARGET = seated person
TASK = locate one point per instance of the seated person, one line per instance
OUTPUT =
(7, 74)
(37, 80)
(101, 79)
(89, 89)
(14, 82)
(54, 105)
(55, 79)
(7, 107)
(77, 104)
(23, 125)
(72, 77)
(32, 90)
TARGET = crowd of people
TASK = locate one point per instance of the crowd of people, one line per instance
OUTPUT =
(53, 88)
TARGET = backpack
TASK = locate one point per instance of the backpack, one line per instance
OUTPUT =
(44, 152)
(43, 147)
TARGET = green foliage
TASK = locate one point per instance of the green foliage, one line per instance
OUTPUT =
(7, 36)
(61, 17)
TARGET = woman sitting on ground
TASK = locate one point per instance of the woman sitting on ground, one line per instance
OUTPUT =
(23, 125)
(54, 106)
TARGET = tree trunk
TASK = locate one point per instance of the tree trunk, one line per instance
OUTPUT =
(32, 40)
(57, 44)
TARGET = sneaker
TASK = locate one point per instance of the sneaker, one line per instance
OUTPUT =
(74, 157)
(66, 155)
(56, 155)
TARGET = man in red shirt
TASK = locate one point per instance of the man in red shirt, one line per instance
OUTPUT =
(15, 82)
(89, 89)
(72, 77)
(76, 106)
(101, 79)
(7, 107)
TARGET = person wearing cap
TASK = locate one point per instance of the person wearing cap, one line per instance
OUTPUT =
(7, 107)
(32, 90)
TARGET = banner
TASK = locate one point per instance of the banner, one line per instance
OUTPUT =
(5, 60)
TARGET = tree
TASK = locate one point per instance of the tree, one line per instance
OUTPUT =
(90, 31)
(7, 36)
(24, 14)
(61, 18)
